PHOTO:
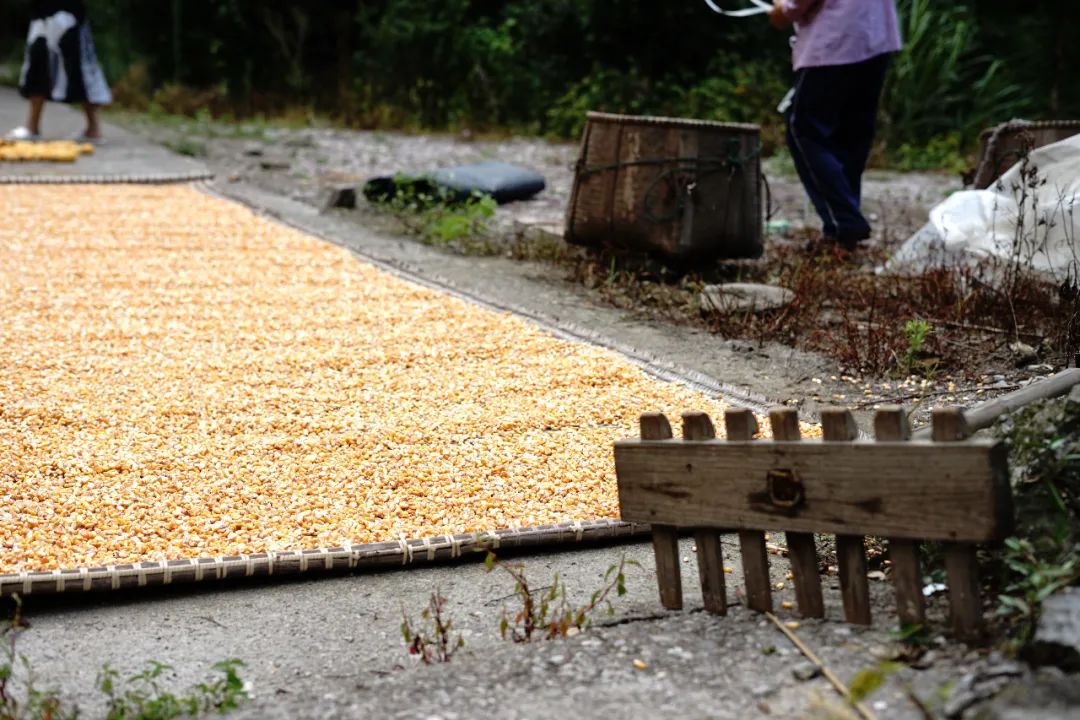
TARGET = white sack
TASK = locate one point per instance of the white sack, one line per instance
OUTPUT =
(972, 226)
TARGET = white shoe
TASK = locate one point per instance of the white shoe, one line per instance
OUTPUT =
(22, 133)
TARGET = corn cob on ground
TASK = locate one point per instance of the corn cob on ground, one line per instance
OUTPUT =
(181, 378)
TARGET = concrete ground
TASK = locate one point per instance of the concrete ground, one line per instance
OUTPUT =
(332, 647)
(124, 154)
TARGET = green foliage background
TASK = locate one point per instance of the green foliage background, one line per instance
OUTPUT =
(537, 65)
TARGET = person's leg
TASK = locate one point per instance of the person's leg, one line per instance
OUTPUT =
(807, 176)
(815, 121)
(93, 127)
(860, 122)
(33, 118)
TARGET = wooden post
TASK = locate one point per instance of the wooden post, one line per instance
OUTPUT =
(802, 552)
(965, 603)
(665, 538)
(838, 425)
(742, 425)
(710, 552)
(891, 424)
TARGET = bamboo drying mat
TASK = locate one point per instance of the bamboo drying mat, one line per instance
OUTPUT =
(191, 392)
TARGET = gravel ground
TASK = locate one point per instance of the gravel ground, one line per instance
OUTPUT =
(302, 163)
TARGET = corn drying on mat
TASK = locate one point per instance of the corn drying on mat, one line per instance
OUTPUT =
(188, 391)
(43, 151)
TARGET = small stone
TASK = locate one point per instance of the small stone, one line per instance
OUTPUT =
(679, 653)
(959, 702)
(341, 196)
(805, 671)
(1023, 354)
(926, 661)
(275, 163)
(1057, 636)
(744, 297)
(763, 691)
(885, 652)
(1002, 669)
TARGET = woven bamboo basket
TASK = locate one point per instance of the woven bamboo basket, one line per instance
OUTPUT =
(1002, 146)
(679, 189)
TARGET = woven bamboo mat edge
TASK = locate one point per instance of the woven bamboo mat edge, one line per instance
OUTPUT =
(402, 553)
(144, 179)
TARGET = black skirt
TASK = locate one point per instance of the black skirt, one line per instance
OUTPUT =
(60, 62)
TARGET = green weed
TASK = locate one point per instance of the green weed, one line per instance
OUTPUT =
(546, 613)
(432, 639)
(142, 697)
(138, 697)
(21, 698)
(438, 218)
(916, 333)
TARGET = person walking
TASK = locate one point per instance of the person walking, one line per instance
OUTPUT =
(61, 65)
(840, 56)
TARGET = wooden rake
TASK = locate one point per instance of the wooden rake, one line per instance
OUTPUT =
(950, 489)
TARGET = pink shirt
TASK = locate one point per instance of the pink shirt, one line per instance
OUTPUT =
(842, 32)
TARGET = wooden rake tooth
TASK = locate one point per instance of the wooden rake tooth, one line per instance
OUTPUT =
(891, 425)
(961, 566)
(710, 553)
(740, 424)
(802, 551)
(665, 538)
(838, 425)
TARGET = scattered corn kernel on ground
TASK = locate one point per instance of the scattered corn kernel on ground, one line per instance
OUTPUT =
(181, 378)
(43, 151)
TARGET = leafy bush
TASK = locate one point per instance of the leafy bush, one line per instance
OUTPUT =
(943, 82)
(941, 152)
(1044, 556)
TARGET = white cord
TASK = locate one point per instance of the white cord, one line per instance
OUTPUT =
(759, 7)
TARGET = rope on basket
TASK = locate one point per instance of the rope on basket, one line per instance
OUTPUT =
(684, 174)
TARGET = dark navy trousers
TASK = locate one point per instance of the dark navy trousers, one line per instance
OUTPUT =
(830, 130)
